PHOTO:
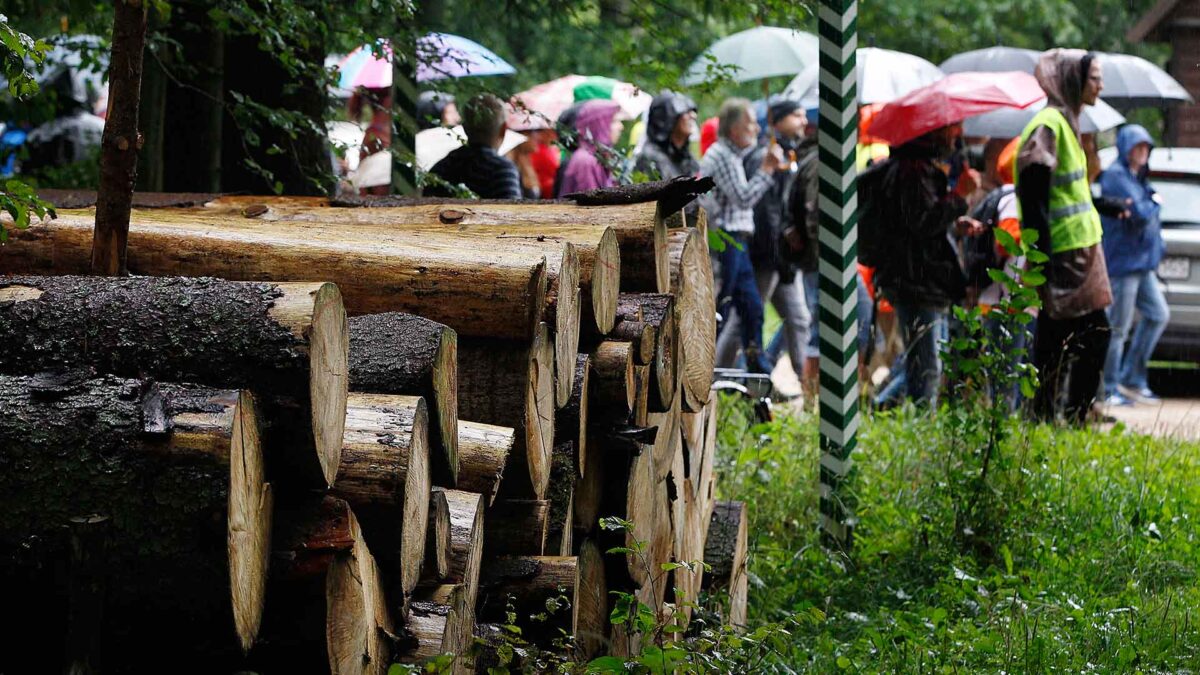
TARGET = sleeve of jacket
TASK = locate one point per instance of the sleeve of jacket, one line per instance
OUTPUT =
(1121, 185)
(738, 191)
(507, 182)
(1035, 165)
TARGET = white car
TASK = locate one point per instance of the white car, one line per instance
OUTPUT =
(1175, 173)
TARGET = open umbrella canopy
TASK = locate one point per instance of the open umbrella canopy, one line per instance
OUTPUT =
(953, 99)
(439, 56)
(764, 51)
(539, 107)
(996, 59)
(1010, 122)
(883, 75)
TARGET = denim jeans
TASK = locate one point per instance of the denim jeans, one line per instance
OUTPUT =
(788, 300)
(739, 289)
(924, 331)
(1143, 292)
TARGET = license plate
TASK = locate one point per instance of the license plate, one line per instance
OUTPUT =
(1175, 268)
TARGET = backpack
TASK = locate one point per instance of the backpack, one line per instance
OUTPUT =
(979, 253)
(873, 240)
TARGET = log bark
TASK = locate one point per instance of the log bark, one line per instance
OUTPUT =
(591, 600)
(288, 341)
(516, 527)
(120, 141)
(396, 353)
(612, 381)
(476, 292)
(570, 422)
(327, 600)
(384, 476)
(725, 551)
(441, 622)
(177, 470)
(466, 540)
(532, 584)
(695, 314)
(511, 384)
(483, 453)
(437, 538)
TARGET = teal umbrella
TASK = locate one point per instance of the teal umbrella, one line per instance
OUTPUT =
(757, 53)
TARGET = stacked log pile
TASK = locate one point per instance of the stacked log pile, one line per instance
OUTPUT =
(229, 464)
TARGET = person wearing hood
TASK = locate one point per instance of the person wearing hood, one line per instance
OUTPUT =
(1055, 200)
(596, 126)
(1133, 247)
(669, 128)
(774, 275)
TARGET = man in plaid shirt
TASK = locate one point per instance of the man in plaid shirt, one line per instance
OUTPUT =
(731, 208)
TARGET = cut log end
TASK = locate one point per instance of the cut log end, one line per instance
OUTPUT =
(249, 523)
(591, 601)
(606, 281)
(695, 312)
(484, 449)
(445, 389)
(566, 324)
(539, 413)
(329, 348)
(357, 620)
(437, 538)
(415, 511)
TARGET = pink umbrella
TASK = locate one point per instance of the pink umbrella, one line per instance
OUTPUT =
(953, 99)
(540, 106)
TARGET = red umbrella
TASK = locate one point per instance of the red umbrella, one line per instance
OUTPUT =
(953, 99)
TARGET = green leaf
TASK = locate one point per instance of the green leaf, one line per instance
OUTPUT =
(1007, 242)
(606, 664)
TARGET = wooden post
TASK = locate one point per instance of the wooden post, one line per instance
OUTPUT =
(121, 140)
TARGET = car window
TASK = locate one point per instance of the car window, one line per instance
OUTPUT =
(1180, 201)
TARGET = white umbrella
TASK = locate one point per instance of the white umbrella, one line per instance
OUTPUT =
(434, 144)
(883, 76)
(1009, 122)
(757, 53)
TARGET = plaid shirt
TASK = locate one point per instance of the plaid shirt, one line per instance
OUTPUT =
(731, 203)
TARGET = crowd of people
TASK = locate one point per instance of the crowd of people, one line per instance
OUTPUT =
(929, 213)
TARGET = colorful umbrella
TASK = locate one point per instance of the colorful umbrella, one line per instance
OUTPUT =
(883, 76)
(439, 56)
(757, 53)
(540, 106)
(950, 100)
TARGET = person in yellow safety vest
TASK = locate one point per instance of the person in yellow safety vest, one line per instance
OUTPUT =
(1055, 199)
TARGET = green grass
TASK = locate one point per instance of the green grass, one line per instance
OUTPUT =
(1094, 569)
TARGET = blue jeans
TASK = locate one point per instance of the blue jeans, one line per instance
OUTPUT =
(739, 288)
(1143, 292)
(924, 330)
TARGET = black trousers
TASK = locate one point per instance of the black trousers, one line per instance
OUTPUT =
(1069, 355)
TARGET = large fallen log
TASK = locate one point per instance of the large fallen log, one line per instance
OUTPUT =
(396, 353)
(483, 453)
(385, 477)
(725, 551)
(496, 294)
(288, 341)
(695, 314)
(177, 471)
(327, 604)
(511, 384)
(541, 591)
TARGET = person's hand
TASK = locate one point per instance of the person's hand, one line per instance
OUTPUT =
(773, 159)
(966, 226)
(968, 182)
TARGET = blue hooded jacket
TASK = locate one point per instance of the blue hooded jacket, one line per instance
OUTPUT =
(1132, 244)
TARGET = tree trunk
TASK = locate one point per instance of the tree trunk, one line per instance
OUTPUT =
(178, 472)
(516, 527)
(437, 538)
(533, 584)
(466, 540)
(477, 292)
(511, 384)
(483, 453)
(384, 476)
(121, 140)
(287, 340)
(397, 353)
(695, 314)
(725, 551)
(327, 601)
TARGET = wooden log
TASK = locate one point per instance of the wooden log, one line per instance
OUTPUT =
(612, 380)
(466, 540)
(397, 353)
(589, 490)
(689, 582)
(533, 584)
(483, 453)
(179, 473)
(695, 314)
(384, 476)
(511, 384)
(559, 516)
(570, 422)
(494, 294)
(725, 551)
(667, 440)
(591, 601)
(288, 341)
(516, 527)
(658, 310)
(437, 537)
(440, 623)
(327, 601)
(641, 396)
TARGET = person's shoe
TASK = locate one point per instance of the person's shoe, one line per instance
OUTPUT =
(1118, 399)
(756, 361)
(1142, 395)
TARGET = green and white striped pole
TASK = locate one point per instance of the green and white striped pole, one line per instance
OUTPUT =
(838, 253)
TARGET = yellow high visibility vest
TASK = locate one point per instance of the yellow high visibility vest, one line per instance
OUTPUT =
(1074, 222)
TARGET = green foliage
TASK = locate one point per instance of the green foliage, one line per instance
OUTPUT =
(18, 199)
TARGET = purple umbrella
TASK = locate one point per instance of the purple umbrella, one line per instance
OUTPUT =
(439, 56)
